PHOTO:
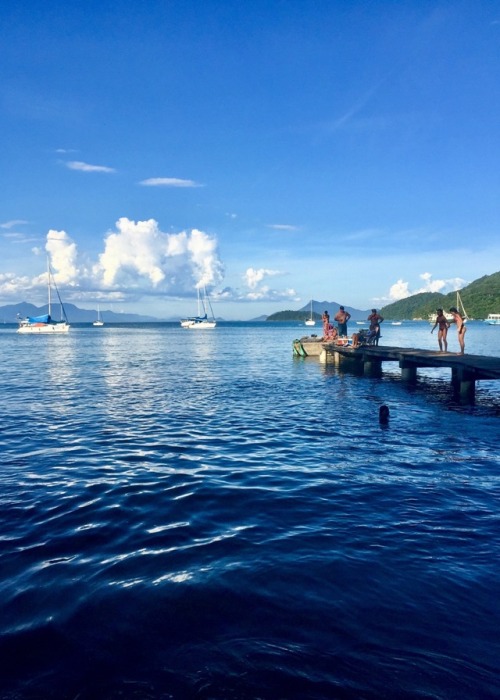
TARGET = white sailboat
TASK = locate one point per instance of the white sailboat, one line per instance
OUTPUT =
(201, 321)
(310, 321)
(99, 321)
(449, 317)
(45, 323)
(461, 308)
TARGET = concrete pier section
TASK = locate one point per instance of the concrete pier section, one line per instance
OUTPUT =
(466, 370)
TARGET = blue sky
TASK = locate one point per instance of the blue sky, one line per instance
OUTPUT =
(273, 151)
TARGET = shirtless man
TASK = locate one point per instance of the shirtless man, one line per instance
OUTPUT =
(443, 325)
(457, 318)
(342, 317)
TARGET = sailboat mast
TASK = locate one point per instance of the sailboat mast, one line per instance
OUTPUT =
(48, 283)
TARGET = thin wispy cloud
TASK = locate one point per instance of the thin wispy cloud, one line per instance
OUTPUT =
(169, 182)
(283, 227)
(88, 168)
(14, 222)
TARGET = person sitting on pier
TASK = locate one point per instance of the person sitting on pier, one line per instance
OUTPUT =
(460, 321)
(443, 324)
(375, 321)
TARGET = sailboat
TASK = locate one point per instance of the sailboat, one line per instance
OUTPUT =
(310, 321)
(449, 317)
(99, 321)
(461, 308)
(45, 323)
(201, 320)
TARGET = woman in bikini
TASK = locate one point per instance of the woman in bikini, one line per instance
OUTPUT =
(457, 318)
(443, 325)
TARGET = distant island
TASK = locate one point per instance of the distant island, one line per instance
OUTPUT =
(480, 298)
(318, 308)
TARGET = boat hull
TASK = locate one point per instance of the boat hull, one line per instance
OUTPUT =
(43, 328)
(308, 346)
(200, 325)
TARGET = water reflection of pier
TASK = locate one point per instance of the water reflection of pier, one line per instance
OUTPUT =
(466, 370)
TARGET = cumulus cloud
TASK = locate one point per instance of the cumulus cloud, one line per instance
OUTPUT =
(253, 277)
(401, 289)
(139, 254)
(62, 252)
(87, 168)
(256, 289)
(139, 260)
(168, 182)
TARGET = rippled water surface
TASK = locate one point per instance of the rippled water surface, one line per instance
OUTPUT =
(200, 515)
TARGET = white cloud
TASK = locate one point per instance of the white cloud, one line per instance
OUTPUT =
(253, 277)
(138, 260)
(87, 168)
(401, 289)
(63, 258)
(169, 182)
(138, 254)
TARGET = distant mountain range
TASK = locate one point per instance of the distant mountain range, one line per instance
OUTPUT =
(8, 314)
(480, 298)
(318, 308)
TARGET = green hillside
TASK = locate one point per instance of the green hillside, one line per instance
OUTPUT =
(480, 298)
(289, 315)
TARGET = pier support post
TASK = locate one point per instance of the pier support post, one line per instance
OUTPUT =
(408, 372)
(467, 390)
(372, 368)
(464, 384)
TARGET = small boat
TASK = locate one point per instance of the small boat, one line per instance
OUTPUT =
(310, 321)
(493, 319)
(361, 323)
(99, 321)
(201, 321)
(45, 323)
(396, 323)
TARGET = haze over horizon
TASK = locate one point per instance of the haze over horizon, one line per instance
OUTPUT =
(272, 151)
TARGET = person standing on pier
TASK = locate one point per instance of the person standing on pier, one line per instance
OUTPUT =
(375, 321)
(326, 324)
(460, 321)
(443, 325)
(342, 317)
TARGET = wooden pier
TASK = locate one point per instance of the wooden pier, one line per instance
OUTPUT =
(466, 370)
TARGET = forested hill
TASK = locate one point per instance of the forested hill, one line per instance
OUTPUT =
(480, 298)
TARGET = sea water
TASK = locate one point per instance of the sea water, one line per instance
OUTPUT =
(199, 514)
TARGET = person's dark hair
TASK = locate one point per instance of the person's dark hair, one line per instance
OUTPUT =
(440, 311)
(453, 310)
(341, 308)
(374, 311)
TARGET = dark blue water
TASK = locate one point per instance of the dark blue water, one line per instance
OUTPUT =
(200, 515)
